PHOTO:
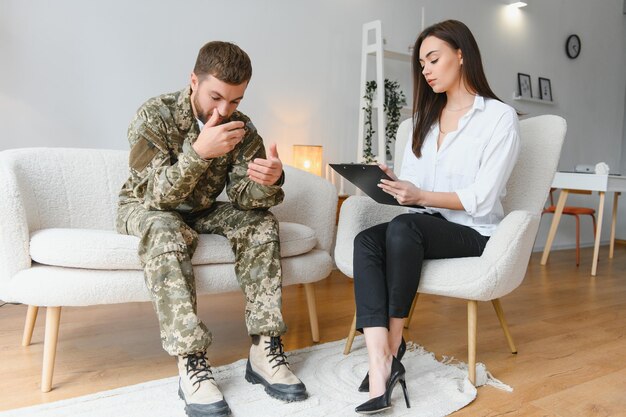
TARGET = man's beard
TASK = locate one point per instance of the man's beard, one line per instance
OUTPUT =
(202, 116)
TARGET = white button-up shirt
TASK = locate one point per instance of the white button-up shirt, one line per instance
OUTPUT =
(475, 162)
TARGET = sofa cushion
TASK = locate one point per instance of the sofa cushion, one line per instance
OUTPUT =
(104, 249)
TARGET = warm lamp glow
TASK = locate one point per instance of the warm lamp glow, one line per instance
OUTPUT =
(517, 4)
(308, 158)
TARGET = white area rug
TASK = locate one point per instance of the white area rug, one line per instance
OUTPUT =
(436, 389)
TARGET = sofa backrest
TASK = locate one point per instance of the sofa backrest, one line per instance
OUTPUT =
(67, 188)
(78, 188)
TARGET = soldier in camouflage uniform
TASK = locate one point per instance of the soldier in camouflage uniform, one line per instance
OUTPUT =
(185, 148)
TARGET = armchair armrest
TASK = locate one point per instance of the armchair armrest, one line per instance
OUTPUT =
(309, 200)
(512, 230)
(509, 249)
(14, 233)
(357, 214)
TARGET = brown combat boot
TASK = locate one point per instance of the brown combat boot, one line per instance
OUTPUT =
(267, 365)
(198, 389)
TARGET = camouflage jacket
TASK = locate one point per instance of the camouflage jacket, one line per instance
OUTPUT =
(167, 174)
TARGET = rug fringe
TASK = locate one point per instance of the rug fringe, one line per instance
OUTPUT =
(496, 383)
(451, 360)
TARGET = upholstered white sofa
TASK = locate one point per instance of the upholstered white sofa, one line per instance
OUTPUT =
(58, 245)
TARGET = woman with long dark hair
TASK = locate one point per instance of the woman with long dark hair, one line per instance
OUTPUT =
(465, 142)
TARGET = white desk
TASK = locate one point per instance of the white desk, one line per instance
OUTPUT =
(587, 182)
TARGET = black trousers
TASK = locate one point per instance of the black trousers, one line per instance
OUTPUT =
(388, 262)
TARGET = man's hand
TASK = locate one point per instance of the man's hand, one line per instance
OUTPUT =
(266, 171)
(217, 140)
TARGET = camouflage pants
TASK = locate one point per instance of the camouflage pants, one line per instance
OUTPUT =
(168, 242)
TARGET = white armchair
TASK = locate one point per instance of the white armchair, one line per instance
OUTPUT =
(58, 245)
(503, 264)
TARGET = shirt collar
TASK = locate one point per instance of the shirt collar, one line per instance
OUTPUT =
(183, 114)
(479, 103)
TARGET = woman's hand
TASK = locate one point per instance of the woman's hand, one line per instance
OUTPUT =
(408, 194)
(405, 192)
(388, 171)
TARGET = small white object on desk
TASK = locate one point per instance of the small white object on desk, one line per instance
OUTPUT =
(585, 168)
(602, 168)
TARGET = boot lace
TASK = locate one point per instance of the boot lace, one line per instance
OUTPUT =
(276, 352)
(198, 368)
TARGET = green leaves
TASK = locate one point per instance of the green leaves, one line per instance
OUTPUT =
(393, 103)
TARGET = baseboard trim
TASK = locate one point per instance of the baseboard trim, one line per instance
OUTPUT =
(565, 246)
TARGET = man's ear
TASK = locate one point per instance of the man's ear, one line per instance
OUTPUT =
(194, 81)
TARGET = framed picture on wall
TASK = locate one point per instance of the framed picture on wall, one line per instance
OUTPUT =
(545, 89)
(524, 88)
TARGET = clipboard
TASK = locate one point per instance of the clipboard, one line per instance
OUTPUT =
(366, 178)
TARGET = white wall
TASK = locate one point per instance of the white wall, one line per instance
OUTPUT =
(72, 73)
(621, 223)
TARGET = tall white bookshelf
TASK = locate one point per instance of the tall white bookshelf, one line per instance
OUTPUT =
(377, 50)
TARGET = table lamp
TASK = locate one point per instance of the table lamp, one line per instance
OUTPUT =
(308, 158)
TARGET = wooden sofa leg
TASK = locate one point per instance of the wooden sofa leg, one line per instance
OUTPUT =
(310, 300)
(351, 335)
(53, 318)
(407, 321)
(29, 325)
(472, 318)
(505, 327)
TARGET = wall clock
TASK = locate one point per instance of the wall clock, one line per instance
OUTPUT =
(572, 46)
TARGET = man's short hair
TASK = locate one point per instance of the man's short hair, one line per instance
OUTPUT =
(225, 61)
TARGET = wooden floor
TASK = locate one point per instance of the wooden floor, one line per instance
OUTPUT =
(570, 330)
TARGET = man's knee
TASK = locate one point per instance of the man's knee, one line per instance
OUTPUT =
(258, 228)
(166, 233)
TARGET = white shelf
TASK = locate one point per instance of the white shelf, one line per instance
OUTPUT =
(377, 50)
(533, 100)
(398, 56)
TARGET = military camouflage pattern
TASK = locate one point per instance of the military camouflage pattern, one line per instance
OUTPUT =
(167, 174)
(170, 198)
(253, 236)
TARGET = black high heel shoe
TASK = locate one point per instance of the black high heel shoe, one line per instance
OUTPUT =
(378, 404)
(365, 384)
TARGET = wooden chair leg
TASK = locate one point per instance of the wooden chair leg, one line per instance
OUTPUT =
(351, 335)
(613, 224)
(577, 240)
(310, 300)
(53, 318)
(29, 325)
(593, 218)
(407, 321)
(472, 319)
(500, 313)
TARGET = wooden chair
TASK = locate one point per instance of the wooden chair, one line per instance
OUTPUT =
(576, 212)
